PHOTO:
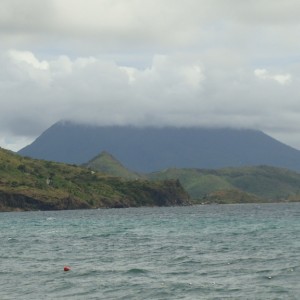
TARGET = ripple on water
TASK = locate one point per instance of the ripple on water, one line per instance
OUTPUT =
(207, 252)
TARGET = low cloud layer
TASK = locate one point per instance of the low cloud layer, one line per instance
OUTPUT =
(149, 63)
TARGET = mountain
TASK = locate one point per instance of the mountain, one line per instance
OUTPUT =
(153, 149)
(228, 185)
(30, 184)
(236, 185)
(106, 163)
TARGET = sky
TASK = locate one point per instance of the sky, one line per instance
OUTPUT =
(211, 63)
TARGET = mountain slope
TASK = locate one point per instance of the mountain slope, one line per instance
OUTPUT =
(228, 185)
(29, 184)
(262, 182)
(153, 149)
(106, 163)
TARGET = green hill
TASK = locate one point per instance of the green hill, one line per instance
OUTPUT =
(28, 184)
(228, 185)
(196, 182)
(106, 163)
(262, 183)
(231, 197)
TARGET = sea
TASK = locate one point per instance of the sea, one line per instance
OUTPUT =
(246, 251)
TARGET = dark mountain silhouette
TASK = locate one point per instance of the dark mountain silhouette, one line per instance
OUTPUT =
(151, 149)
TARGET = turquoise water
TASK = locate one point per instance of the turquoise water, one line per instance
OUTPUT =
(199, 252)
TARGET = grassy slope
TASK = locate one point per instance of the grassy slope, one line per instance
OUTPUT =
(35, 184)
(107, 164)
(230, 197)
(262, 183)
(228, 185)
(196, 182)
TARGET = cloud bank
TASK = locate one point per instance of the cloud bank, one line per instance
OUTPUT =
(149, 63)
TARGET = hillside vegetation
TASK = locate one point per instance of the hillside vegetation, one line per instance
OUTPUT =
(106, 163)
(27, 184)
(228, 185)
(245, 184)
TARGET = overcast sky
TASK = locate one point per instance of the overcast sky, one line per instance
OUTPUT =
(149, 62)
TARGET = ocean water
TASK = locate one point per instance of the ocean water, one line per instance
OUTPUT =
(200, 252)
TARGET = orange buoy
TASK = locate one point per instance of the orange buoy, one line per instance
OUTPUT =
(66, 268)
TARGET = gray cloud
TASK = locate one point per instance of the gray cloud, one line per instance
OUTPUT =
(191, 63)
